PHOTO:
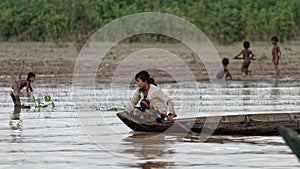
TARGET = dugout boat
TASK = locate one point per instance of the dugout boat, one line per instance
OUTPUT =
(246, 125)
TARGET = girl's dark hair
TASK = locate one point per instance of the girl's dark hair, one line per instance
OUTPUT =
(274, 38)
(30, 74)
(145, 77)
(246, 44)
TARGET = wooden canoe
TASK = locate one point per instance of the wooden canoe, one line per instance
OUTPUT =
(292, 139)
(250, 125)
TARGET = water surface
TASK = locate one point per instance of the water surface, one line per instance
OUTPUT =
(81, 133)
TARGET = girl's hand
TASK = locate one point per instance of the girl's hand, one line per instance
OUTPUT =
(170, 117)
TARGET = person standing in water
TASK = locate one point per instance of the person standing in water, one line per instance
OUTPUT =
(247, 56)
(151, 98)
(276, 54)
(23, 83)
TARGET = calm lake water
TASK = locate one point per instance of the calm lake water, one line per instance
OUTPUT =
(81, 132)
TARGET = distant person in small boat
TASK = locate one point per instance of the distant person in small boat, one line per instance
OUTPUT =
(276, 54)
(247, 56)
(225, 72)
(154, 104)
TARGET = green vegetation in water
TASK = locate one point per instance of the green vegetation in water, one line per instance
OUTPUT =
(47, 98)
(262, 58)
(194, 58)
(115, 109)
(38, 103)
(111, 56)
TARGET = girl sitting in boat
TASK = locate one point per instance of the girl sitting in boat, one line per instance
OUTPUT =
(154, 104)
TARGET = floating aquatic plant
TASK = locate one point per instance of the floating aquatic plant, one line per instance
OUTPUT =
(115, 109)
(39, 103)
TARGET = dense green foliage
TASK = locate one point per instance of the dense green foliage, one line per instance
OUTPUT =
(223, 20)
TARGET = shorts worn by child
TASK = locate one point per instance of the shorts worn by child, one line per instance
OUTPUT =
(245, 67)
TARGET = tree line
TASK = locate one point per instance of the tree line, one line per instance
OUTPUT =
(225, 21)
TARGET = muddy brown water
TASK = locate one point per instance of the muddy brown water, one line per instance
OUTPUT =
(80, 132)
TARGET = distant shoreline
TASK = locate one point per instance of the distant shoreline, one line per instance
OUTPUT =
(55, 65)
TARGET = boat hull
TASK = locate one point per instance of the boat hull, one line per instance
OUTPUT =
(251, 125)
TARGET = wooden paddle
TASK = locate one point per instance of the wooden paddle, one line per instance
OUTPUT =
(20, 73)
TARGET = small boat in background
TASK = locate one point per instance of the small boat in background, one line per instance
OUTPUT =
(292, 139)
(245, 125)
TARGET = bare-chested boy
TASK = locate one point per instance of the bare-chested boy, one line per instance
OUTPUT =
(276, 53)
(247, 56)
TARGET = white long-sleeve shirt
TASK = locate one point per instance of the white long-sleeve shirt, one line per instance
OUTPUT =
(156, 96)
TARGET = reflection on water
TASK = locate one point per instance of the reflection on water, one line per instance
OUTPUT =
(275, 91)
(56, 138)
(149, 145)
(16, 125)
(157, 164)
(247, 95)
(183, 150)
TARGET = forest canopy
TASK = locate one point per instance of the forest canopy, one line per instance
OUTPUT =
(225, 21)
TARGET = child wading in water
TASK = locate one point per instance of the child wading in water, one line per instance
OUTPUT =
(30, 78)
(225, 72)
(247, 56)
(276, 53)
